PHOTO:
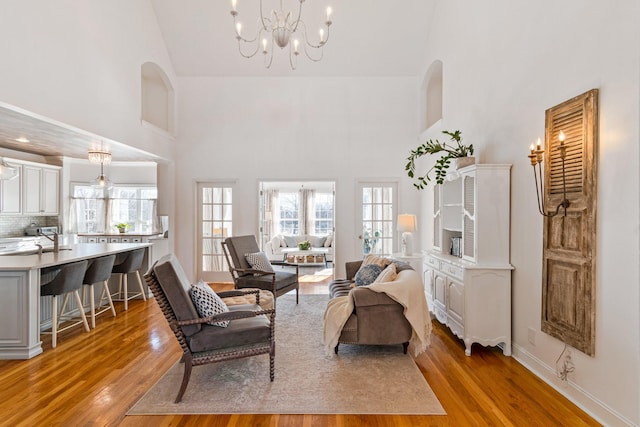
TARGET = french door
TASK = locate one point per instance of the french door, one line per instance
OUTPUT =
(377, 217)
(214, 224)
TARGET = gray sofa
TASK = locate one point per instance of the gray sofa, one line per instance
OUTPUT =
(376, 319)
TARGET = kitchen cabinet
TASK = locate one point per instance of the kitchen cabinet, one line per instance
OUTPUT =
(11, 193)
(468, 273)
(41, 190)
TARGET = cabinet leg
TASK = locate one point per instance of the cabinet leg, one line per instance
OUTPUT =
(467, 350)
(507, 349)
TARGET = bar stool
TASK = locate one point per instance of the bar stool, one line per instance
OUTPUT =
(67, 281)
(131, 264)
(99, 271)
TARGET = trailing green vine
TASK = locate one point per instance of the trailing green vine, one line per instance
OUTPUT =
(443, 163)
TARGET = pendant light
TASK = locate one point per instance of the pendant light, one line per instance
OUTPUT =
(102, 182)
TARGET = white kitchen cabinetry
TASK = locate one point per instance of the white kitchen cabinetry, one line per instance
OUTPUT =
(41, 190)
(11, 193)
(471, 293)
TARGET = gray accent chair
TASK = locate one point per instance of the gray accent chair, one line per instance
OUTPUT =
(250, 331)
(278, 282)
(376, 319)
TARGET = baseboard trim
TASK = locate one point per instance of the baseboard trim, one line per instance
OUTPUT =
(593, 406)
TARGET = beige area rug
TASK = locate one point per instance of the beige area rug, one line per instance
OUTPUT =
(359, 380)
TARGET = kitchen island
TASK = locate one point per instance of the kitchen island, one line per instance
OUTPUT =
(20, 279)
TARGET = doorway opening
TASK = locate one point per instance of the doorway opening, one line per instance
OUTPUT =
(297, 226)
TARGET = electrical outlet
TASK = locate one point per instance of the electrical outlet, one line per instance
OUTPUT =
(532, 336)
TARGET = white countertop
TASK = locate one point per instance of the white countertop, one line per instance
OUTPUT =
(75, 252)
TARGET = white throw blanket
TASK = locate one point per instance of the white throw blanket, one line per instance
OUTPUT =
(407, 290)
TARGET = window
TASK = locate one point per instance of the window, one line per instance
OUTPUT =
(96, 211)
(289, 213)
(378, 202)
(215, 217)
(323, 214)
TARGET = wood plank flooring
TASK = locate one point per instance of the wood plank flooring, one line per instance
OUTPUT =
(92, 379)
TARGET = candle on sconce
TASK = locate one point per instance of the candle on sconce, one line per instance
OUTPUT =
(234, 5)
(561, 136)
(296, 42)
(239, 29)
(539, 144)
(329, 10)
(264, 45)
(321, 35)
(531, 148)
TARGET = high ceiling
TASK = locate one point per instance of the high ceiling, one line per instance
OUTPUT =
(368, 37)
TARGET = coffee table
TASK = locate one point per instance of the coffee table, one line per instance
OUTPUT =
(314, 256)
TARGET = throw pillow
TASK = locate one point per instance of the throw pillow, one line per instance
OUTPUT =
(291, 241)
(275, 243)
(329, 241)
(259, 261)
(207, 302)
(378, 260)
(389, 274)
(367, 274)
(317, 242)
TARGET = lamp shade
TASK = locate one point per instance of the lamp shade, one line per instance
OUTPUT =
(407, 223)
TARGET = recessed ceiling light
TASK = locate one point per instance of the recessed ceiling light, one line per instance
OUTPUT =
(22, 139)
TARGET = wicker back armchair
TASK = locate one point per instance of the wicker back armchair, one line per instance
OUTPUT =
(250, 331)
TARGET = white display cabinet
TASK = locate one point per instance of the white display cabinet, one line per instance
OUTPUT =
(469, 290)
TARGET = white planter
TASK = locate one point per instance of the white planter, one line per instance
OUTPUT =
(461, 162)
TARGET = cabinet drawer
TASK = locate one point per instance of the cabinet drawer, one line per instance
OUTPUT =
(103, 240)
(452, 270)
(432, 262)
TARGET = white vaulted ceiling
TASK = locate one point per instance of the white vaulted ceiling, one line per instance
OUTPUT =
(368, 37)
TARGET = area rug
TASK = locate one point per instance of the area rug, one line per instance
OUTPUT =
(359, 380)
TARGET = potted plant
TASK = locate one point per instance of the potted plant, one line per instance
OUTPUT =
(122, 227)
(370, 240)
(451, 151)
(304, 245)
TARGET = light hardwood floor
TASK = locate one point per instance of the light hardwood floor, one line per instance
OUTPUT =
(92, 379)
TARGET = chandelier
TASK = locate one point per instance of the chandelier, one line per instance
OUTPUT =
(278, 28)
(99, 156)
(102, 157)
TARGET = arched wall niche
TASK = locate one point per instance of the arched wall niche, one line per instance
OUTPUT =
(432, 95)
(157, 97)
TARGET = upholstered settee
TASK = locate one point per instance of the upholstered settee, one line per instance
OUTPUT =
(374, 316)
(273, 248)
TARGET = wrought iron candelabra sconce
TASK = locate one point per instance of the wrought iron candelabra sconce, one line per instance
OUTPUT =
(537, 157)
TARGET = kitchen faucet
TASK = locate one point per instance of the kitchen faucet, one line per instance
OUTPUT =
(54, 239)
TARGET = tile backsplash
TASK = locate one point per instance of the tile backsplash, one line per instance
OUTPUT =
(14, 225)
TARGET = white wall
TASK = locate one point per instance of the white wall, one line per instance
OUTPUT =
(79, 62)
(505, 63)
(324, 129)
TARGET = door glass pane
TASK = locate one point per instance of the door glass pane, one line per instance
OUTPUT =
(378, 219)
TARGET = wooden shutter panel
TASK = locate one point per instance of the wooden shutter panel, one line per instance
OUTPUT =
(568, 288)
